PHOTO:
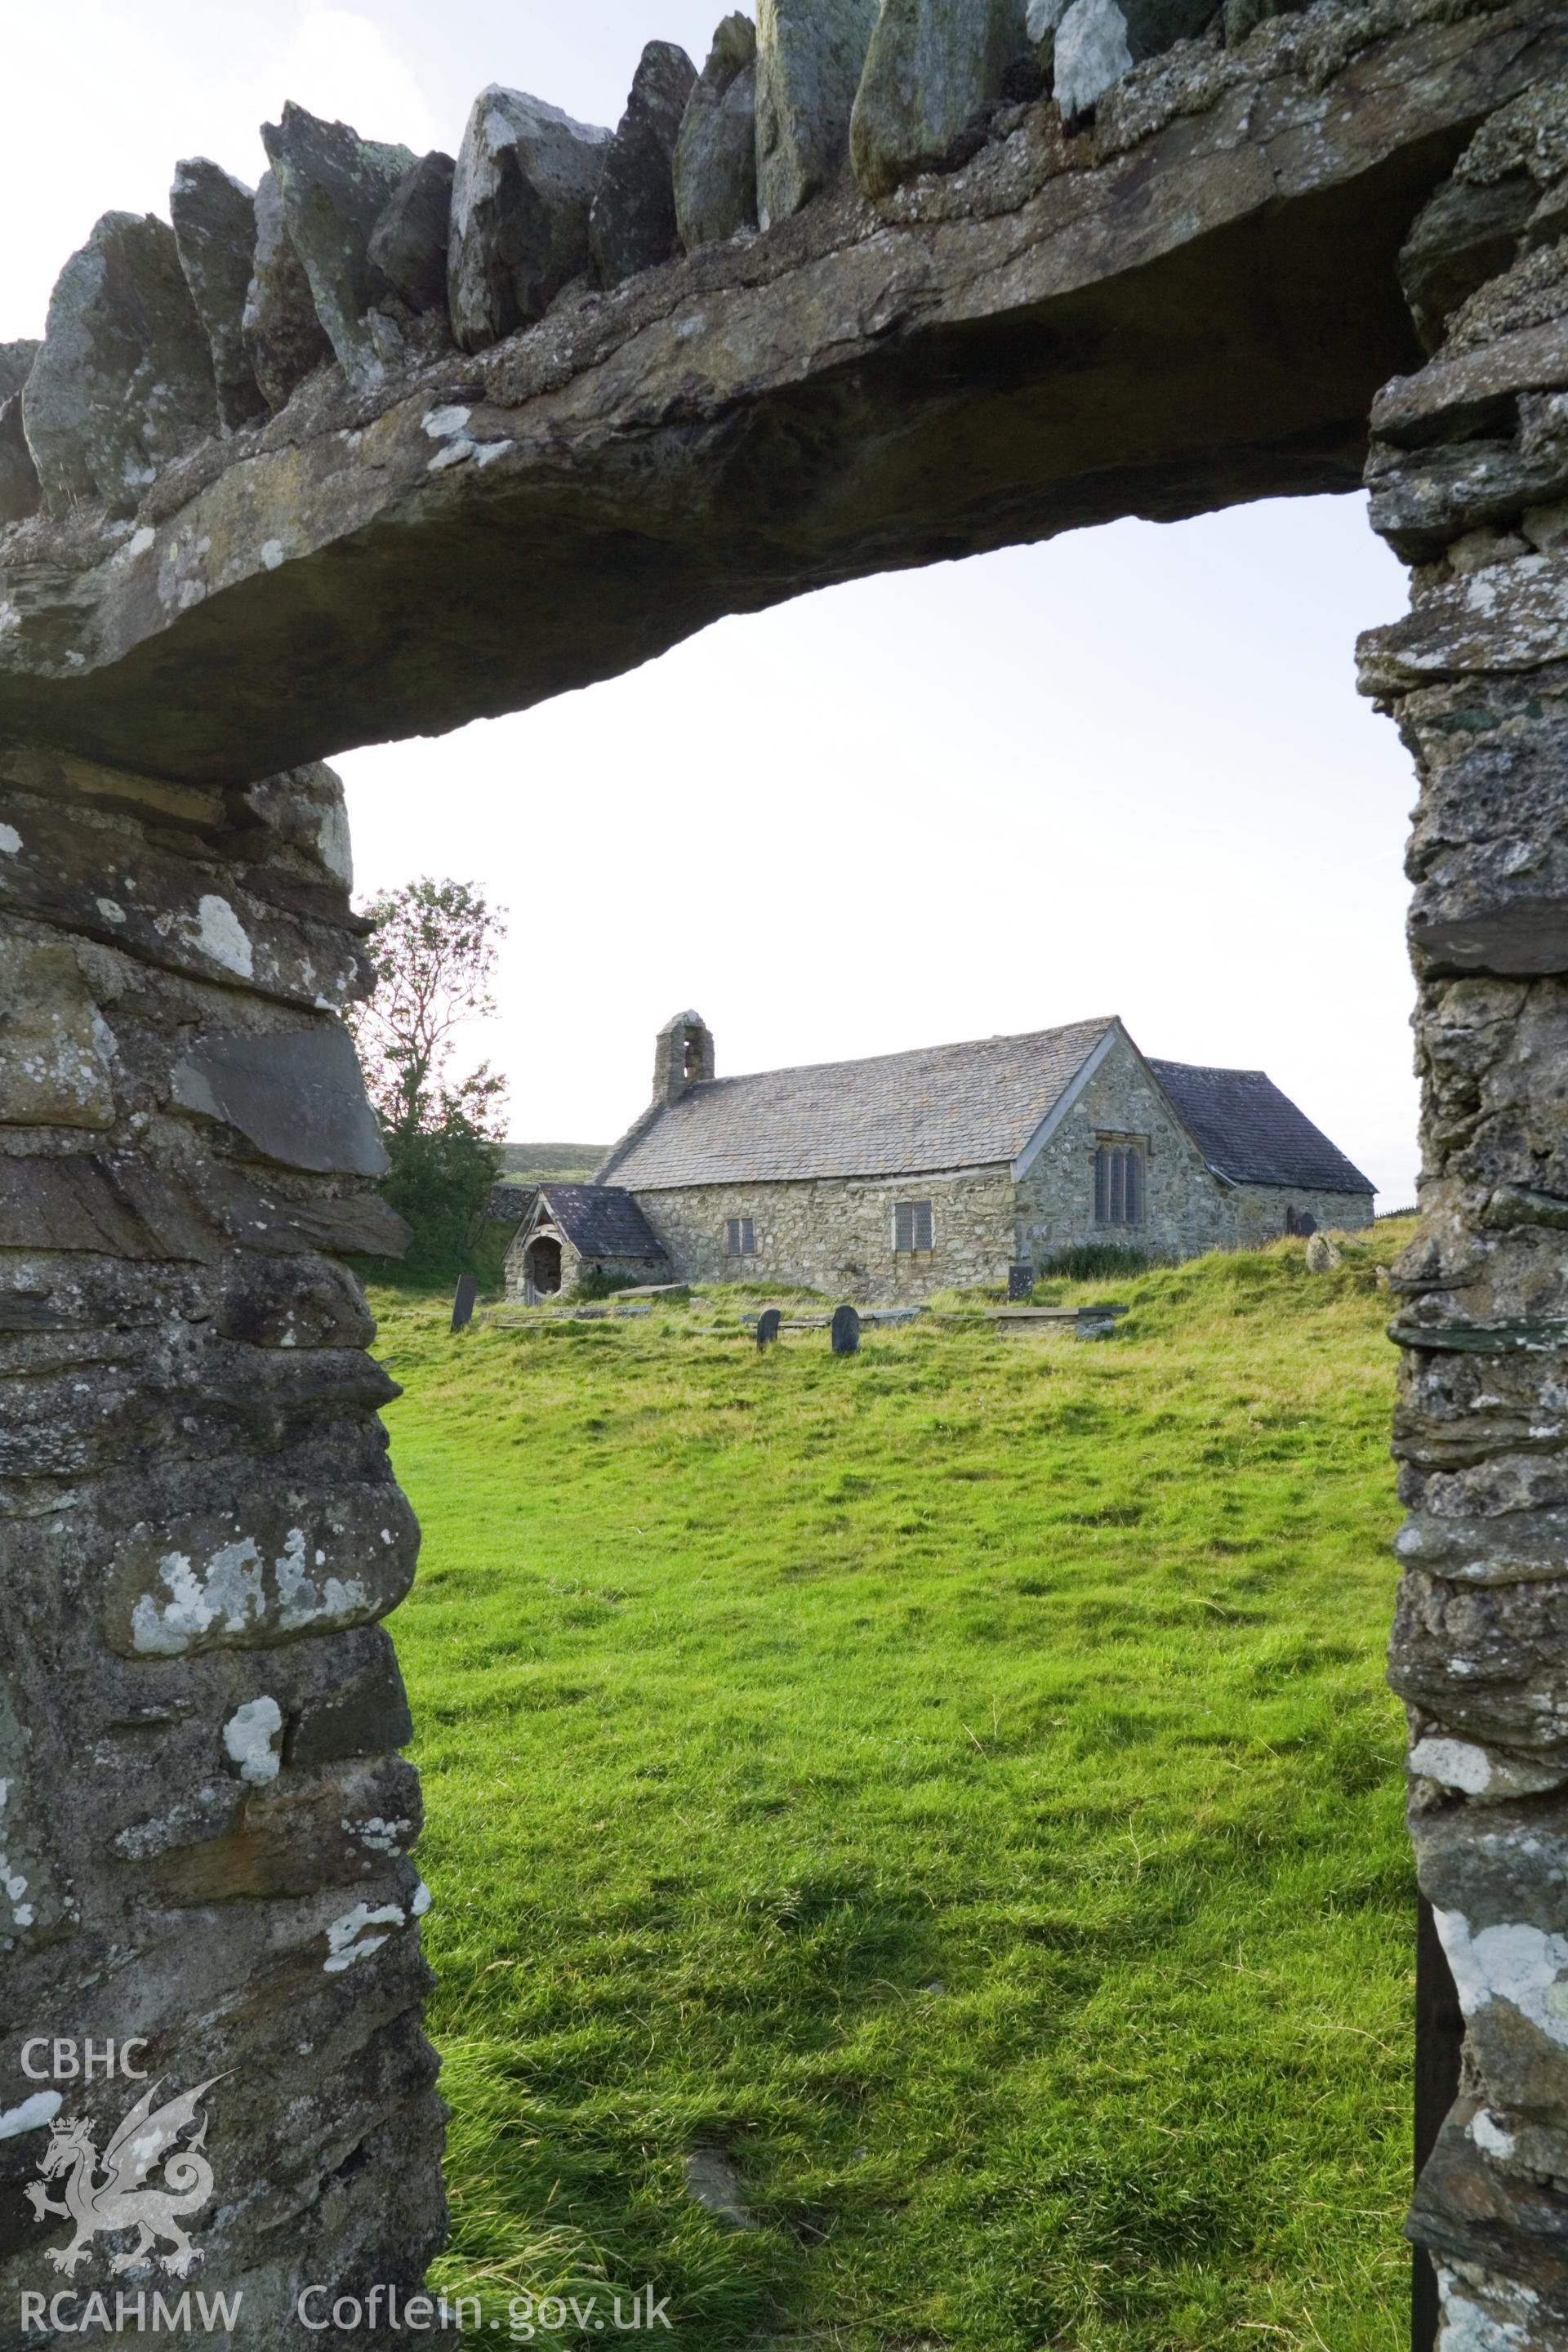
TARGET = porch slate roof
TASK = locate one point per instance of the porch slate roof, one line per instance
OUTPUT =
(599, 1220)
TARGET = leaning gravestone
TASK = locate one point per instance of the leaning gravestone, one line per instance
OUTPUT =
(463, 1304)
(846, 1331)
(767, 1328)
(1020, 1283)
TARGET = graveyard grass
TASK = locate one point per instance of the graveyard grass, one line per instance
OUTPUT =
(956, 1783)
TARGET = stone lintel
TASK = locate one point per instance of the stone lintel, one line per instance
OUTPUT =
(964, 365)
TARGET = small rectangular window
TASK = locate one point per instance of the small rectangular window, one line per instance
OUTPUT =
(1121, 1185)
(740, 1238)
(911, 1225)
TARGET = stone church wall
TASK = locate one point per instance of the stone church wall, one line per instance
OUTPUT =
(575, 1270)
(514, 1267)
(1256, 1212)
(835, 1233)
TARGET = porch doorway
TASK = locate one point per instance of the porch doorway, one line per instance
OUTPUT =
(542, 1269)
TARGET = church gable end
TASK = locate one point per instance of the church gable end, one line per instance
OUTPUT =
(1118, 1166)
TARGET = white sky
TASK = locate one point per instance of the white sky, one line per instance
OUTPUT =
(1127, 771)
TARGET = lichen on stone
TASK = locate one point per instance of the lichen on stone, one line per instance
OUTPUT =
(1533, 291)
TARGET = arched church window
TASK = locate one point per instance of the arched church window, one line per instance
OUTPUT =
(1121, 1183)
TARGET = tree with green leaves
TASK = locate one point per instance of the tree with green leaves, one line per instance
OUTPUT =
(434, 948)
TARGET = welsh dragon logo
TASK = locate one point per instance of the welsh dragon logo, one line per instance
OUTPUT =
(106, 2194)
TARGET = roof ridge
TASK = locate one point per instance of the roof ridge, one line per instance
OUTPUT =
(903, 1054)
(1210, 1069)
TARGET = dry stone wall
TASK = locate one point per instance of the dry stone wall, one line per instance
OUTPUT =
(1469, 479)
(204, 1817)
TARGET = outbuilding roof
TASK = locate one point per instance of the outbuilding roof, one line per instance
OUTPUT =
(941, 1106)
(599, 1220)
(1247, 1130)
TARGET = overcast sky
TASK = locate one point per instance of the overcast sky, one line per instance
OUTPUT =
(1126, 771)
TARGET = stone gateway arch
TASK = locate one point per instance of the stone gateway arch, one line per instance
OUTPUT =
(397, 442)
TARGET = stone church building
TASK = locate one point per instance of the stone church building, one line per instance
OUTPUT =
(888, 1179)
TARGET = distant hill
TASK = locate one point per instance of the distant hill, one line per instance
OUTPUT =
(532, 1163)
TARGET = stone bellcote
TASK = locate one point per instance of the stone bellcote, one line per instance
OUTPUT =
(683, 1055)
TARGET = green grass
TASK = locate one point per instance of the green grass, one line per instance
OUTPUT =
(956, 1781)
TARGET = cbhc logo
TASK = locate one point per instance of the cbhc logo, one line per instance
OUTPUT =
(82, 2061)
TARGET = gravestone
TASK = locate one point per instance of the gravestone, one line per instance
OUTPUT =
(1020, 1283)
(463, 1304)
(846, 1331)
(767, 1328)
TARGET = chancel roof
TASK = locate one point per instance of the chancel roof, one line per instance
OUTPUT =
(1247, 1130)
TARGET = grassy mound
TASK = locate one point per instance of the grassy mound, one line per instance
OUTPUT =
(954, 1782)
(537, 1163)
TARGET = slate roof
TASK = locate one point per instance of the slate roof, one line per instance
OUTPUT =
(941, 1106)
(1252, 1133)
(600, 1221)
